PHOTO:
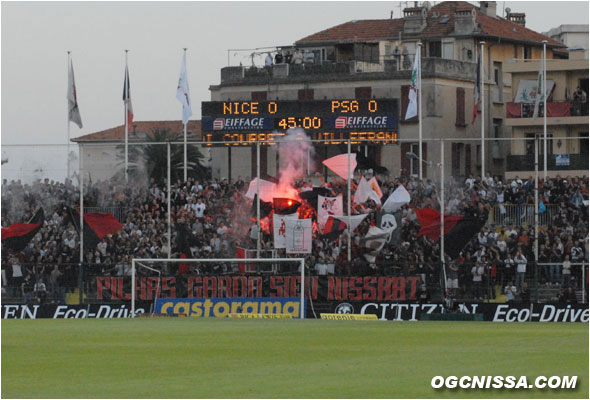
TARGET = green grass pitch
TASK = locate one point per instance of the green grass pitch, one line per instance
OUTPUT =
(227, 358)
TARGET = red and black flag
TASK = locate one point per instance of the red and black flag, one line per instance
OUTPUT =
(333, 227)
(459, 229)
(96, 226)
(285, 206)
(16, 236)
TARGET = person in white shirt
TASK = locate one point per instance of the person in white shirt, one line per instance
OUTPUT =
(200, 209)
(268, 60)
(510, 291)
(477, 271)
(520, 261)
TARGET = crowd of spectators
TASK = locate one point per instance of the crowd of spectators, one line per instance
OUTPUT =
(210, 219)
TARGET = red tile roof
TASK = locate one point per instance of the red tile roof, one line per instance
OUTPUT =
(389, 28)
(176, 128)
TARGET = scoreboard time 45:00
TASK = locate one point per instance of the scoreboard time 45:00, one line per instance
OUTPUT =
(228, 121)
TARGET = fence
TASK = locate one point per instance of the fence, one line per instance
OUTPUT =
(521, 215)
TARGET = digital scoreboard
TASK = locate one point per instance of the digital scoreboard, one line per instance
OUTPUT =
(243, 123)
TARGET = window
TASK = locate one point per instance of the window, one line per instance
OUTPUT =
(527, 52)
(460, 112)
(414, 161)
(497, 127)
(530, 144)
(434, 49)
(448, 50)
(584, 144)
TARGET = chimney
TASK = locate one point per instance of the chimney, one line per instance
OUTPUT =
(517, 18)
(465, 21)
(488, 8)
(415, 19)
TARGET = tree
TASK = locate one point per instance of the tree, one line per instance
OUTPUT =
(151, 160)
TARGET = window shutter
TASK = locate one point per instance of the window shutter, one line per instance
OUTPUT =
(467, 159)
(460, 117)
(424, 157)
(405, 164)
(405, 89)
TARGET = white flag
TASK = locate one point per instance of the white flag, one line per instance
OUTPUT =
(396, 200)
(539, 97)
(328, 206)
(368, 190)
(73, 110)
(280, 229)
(182, 92)
(412, 109)
(339, 164)
(355, 220)
(267, 190)
(299, 232)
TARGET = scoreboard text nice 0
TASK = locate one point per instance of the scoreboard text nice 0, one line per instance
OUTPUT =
(244, 123)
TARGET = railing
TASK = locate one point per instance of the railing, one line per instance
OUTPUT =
(521, 215)
(554, 109)
(554, 163)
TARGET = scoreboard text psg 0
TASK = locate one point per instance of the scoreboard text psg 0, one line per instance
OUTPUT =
(243, 123)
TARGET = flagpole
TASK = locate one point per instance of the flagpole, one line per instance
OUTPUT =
(544, 94)
(349, 205)
(442, 214)
(126, 117)
(536, 249)
(419, 55)
(81, 234)
(169, 199)
(68, 118)
(482, 101)
(258, 199)
(185, 151)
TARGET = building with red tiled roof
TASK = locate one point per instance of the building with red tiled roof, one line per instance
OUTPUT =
(142, 130)
(372, 59)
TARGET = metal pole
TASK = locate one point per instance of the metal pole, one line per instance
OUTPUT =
(482, 97)
(419, 55)
(302, 311)
(185, 151)
(349, 205)
(81, 174)
(536, 249)
(442, 214)
(258, 244)
(126, 119)
(132, 288)
(583, 282)
(68, 118)
(169, 201)
(544, 97)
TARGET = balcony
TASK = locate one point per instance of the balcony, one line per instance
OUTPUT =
(558, 113)
(526, 162)
(393, 67)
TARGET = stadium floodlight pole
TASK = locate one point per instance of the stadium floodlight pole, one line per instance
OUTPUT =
(482, 97)
(420, 89)
(442, 214)
(349, 247)
(126, 90)
(258, 230)
(544, 97)
(536, 249)
(169, 200)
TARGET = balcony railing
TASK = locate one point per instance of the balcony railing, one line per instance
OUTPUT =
(555, 162)
(554, 109)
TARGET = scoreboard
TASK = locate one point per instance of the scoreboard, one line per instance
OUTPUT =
(243, 123)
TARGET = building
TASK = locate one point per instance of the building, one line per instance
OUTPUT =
(372, 59)
(573, 36)
(103, 152)
(566, 118)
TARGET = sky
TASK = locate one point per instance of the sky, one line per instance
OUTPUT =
(37, 35)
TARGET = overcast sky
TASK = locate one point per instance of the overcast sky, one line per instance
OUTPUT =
(36, 36)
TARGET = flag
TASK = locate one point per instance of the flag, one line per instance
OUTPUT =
(285, 206)
(355, 220)
(539, 93)
(312, 195)
(375, 238)
(279, 223)
(476, 90)
(368, 190)
(298, 236)
(385, 220)
(127, 98)
(182, 92)
(412, 109)
(329, 206)
(17, 236)
(333, 226)
(267, 190)
(73, 110)
(339, 164)
(397, 199)
(96, 226)
(459, 230)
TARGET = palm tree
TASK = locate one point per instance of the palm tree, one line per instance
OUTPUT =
(151, 160)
